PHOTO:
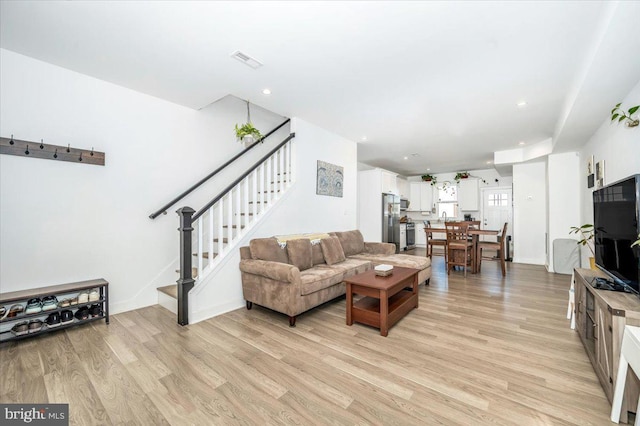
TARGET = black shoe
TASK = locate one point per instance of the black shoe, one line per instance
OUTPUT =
(66, 317)
(82, 313)
(53, 320)
(95, 310)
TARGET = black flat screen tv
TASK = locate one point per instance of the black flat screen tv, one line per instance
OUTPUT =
(616, 208)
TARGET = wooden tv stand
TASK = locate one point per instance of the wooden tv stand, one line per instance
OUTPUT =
(600, 319)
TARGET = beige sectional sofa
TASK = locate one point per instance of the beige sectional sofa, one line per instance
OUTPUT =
(292, 274)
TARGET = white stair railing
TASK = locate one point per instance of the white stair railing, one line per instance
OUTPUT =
(220, 225)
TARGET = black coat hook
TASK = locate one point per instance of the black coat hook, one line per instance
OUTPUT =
(55, 154)
(27, 151)
(68, 146)
(91, 153)
(41, 143)
(11, 142)
(80, 159)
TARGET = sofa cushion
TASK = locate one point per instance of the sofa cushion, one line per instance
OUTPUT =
(299, 252)
(268, 249)
(351, 267)
(332, 250)
(404, 260)
(352, 242)
(319, 277)
(316, 254)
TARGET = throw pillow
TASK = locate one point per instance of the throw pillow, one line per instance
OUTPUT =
(332, 250)
(316, 254)
(352, 242)
(299, 252)
(268, 249)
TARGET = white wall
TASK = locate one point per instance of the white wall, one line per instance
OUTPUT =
(63, 222)
(299, 211)
(616, 144)
(563, 197)
(529, 213)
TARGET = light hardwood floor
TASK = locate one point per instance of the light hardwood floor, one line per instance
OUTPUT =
(480, 350)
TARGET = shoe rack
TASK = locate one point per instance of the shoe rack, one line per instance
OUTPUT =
(62, 291)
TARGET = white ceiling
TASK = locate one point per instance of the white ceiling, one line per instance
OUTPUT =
(439, 79)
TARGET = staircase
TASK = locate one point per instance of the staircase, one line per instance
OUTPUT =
(213, 232)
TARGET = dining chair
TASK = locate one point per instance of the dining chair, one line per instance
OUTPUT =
(498, 246)
(440, 242)
(458, 241)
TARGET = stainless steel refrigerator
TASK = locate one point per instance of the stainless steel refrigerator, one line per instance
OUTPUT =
(391, 220)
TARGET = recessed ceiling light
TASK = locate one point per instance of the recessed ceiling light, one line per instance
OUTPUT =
(521, 143)
(428, 169)
(521, 104)
(266, 91)
(364, 138)
(406, 158)
(489, 162)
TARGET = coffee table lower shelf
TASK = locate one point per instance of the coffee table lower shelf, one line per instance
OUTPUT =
(367, 310)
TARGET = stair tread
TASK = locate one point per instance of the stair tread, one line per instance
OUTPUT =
(169, 290)
(194, 272)
(225, 240)
(234, 226)
(258, 202)
(205, 254)
(245, 214)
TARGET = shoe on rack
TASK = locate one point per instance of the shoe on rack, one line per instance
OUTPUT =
(3, 312)
(65, 303)
(49, 303)
(53, 320)
(83, 297)
(15, 311)
(82, 313)
(73, 301)
(20, 328)
(66, 317)
(35, 326)
(94, 295)
(95, 310)
(33, 306)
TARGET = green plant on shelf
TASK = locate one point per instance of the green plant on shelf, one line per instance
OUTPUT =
(461, 175)
(430, 178)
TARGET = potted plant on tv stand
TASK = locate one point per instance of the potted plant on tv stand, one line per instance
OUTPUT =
(586, 232)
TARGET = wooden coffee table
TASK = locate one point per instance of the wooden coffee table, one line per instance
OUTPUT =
(386, 301)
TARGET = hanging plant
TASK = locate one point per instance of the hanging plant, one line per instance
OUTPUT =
(430, 178)
(246, 132)
(461, 175)
(621, 115)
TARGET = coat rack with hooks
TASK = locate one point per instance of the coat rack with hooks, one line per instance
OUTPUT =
(47, 151)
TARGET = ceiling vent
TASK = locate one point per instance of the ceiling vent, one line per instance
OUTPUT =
(246, 59)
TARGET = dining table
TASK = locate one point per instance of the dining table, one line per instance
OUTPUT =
(475, 234)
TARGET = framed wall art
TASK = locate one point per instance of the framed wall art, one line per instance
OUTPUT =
(330, 179)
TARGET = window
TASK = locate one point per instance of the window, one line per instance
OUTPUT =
(497, 200)
(448, 201)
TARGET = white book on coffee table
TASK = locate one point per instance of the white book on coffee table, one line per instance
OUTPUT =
(384, 268)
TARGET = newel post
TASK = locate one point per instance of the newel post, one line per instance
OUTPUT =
(186, 281)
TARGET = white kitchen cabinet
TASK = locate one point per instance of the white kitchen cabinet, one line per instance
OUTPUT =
(426, 197)
(469, 194)
(403, 187)
(421, 197)
(389, 182)
(421, 236)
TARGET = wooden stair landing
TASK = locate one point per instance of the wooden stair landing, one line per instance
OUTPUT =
(169, 290)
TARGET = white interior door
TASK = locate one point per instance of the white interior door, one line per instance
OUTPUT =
(497, 208)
